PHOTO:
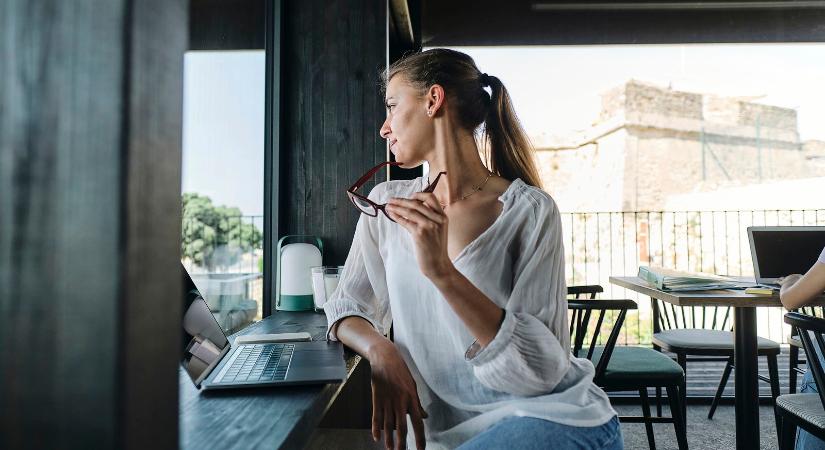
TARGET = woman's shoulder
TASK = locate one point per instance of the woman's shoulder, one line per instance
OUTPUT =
(530, 199)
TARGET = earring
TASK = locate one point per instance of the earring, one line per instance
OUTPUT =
(430, 112)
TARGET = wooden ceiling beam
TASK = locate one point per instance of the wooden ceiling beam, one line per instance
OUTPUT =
(400, 12)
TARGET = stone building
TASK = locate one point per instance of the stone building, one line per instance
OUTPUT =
(652, 143)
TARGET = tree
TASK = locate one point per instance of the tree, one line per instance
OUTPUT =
(215, 236)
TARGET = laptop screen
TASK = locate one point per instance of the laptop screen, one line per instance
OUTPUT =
(203, 342)
(781, 251)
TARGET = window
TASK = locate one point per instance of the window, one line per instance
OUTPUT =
(223, 179)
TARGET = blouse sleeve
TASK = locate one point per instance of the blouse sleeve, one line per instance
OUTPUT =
(821, 258)
(362, 287)
(530, 354)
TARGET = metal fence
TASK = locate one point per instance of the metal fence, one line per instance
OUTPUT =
(603, 244)
(225, 241)
(233, 279)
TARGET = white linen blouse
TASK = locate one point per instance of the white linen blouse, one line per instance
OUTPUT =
(518, 262)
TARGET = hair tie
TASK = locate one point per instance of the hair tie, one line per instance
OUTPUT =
(485, 80)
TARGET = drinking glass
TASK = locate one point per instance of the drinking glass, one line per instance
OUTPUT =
(324, 283)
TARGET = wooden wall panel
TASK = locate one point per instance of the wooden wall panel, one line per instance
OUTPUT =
(150, 306)
(226, 25)
(546, 22)
(331, 114)
(90, 99)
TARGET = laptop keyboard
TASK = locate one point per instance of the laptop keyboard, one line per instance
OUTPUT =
(259, 362)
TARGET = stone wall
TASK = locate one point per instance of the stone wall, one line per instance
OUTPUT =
(653, 143)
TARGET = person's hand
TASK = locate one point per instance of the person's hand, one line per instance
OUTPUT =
(790, 280)
(394, 396)
(423, 217)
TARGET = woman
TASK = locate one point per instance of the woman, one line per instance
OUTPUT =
(471, 276)
(797, 291)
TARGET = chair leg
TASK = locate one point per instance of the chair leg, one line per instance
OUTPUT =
(794, 363)
(682, 359)
(679, 421)
(722, 383)
(787, 435)
(646, 413)
(658, 391)
(773, 372)
(658, 401)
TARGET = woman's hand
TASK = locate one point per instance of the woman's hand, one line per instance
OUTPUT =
(394, 396)
(790, 280)
(423, 217)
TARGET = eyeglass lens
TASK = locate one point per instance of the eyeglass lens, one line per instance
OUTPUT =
(363, 205)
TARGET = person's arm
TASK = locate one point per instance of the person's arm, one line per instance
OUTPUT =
(358, 314)
(526, 356)
(362, 286)
(797, 290)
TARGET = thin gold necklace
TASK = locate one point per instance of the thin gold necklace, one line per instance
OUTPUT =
(476, 188)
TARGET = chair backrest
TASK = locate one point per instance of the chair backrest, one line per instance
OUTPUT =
(811, 330)
(586, 320)
(585, 290)
(667, 316)
(813, 311)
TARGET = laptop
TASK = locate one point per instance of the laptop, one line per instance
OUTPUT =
(781, 251)
(212, 362)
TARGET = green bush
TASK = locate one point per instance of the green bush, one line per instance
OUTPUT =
(215, 236)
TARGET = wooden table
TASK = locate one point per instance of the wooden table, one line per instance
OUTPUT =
(745, 355)
(275, 417)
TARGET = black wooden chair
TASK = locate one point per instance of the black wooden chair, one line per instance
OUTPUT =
(795, 343)
(806, 411)
(624, 368)
(706, 336)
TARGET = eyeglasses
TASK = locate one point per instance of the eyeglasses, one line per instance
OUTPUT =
(368, 206)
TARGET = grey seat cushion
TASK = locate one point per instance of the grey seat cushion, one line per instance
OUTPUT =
(807, 407)
(690, 338)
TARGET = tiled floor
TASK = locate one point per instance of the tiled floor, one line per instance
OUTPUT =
(703, 378)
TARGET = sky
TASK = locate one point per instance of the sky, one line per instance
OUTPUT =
(223, 128)
(554, 90)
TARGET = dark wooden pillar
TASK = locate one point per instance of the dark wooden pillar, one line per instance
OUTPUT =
(90, 137)
(331, 111)
(404, 38)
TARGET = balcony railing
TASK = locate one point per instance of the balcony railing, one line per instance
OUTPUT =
(224, 245)
(226, 267)
(603, 244)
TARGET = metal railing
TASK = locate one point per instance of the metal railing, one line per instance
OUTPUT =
(226, 244)
(603, 244)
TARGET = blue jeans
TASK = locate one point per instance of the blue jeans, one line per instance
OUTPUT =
(529, 433)
(805, 440)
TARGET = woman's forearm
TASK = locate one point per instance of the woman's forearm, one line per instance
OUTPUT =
(480, 315)
(358, 334)
(805, 289)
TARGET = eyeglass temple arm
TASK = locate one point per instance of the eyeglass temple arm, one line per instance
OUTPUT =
(371, 173)
(431, 187)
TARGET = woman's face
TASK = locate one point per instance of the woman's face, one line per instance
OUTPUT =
(408, 128)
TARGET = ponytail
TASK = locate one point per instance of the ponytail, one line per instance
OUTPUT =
(509, 152)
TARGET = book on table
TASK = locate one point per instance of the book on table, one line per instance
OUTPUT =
(677, 280)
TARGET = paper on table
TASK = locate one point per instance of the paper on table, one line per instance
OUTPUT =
(675, 280)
